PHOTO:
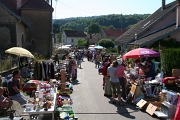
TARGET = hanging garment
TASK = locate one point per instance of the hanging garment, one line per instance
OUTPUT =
(52, 70)
(43, 74)
(44, 67)
(36, 70)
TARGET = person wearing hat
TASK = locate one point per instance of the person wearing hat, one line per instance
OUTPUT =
(120, 73)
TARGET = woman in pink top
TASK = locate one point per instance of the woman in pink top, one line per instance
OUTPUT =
(120, 73)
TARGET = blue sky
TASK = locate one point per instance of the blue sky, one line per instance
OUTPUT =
(85, 8)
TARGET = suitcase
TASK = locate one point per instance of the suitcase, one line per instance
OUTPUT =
(107, 87)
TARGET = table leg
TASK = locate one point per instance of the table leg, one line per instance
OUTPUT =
(52, 116)
(29, 117)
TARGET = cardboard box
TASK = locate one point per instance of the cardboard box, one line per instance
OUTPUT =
(141, 104)
(157, 104)
(151, 109)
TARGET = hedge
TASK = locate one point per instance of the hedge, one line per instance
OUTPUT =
(170, 59)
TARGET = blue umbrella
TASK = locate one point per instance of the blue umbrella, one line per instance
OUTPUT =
(98, 47)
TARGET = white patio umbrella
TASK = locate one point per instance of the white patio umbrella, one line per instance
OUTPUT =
(91, 48)
(64, 47)
(92, 45)
(68, 45)
(19, 51)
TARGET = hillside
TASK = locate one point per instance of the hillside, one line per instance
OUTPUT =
(113, 21)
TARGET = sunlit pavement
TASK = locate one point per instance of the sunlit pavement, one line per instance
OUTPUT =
(89, 102)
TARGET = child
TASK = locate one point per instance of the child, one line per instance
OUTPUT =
(4, 101)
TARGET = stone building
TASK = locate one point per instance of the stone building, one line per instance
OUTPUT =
(26, 23)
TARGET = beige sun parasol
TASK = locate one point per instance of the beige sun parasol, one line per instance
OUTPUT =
(19, 52)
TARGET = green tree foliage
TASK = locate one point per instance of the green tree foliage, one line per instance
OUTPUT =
(107, 43)
(59, 37)
(170, 60)
(56, 28)
(82, 42)
(168, 43)
(111, 27)
(115, 20)
(128, 27)
(93, 28)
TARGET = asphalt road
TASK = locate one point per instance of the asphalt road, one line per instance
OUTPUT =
(89, 102)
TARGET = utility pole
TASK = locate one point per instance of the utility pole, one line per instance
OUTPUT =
(51, 31)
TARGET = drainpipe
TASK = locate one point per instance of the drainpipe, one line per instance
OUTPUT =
(178, 14)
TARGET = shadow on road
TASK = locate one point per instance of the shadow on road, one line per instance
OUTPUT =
(76, 82)
(123, 110)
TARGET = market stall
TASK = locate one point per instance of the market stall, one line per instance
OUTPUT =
(154, 95)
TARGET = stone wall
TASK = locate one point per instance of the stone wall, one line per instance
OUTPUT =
(39, 24)
(9, 30)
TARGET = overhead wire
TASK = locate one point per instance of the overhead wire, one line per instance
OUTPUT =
(72, 8)
(76, 9)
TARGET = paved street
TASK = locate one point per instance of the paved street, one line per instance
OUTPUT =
(90, 103)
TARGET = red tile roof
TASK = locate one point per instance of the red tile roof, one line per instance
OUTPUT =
(37, 4)
(114, 32)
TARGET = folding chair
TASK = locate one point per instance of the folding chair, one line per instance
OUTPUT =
(7, 112)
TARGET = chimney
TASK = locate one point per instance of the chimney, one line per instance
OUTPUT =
(18, 4)
(178, 14)
(163, 4)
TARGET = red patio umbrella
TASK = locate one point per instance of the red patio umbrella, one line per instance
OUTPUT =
(141, 53)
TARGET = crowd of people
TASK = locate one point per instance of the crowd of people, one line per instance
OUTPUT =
(112, 68)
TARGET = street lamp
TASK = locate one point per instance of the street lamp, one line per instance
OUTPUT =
(135, 40)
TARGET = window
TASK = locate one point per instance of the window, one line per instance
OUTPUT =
(72, 40)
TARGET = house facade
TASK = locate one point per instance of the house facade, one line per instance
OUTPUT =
(26, 23)
(162, 24)
(112, 34)
(70, 37)
(11, 29)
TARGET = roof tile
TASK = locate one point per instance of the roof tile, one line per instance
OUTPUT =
(36, 4)
(114, 32)
(129, 35)
(73, 33)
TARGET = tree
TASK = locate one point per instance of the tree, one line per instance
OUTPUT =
(128, 27)
(59, 37)
(56, 28)
(82, 42)
(111, 27)
(93, 28)
(107, 43)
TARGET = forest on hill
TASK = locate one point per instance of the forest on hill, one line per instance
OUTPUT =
(117, 21)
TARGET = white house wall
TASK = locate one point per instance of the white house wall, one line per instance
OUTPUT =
(69, 40)
(63, 38)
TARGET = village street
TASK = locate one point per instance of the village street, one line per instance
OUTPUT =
(89, 102)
